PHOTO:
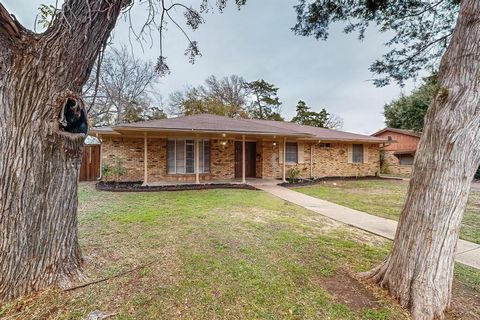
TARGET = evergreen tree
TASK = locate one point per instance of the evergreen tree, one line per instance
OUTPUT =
(265, 103)
(308, 117)
(408, 111)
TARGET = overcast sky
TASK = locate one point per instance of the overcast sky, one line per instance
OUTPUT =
(257, 43)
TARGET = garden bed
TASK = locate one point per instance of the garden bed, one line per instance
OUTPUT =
(137, 186)
(313, 181)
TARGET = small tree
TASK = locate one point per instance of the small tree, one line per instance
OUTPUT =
(408, 111)
(265, 103)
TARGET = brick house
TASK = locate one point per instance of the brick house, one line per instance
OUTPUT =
(207, 147)
(400, 151)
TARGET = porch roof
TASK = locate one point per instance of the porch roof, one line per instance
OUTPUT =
(207, 123)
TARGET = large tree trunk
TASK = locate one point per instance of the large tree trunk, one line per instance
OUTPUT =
(419, 270)
(39, 162)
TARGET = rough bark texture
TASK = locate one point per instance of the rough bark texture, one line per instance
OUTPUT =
(419, 270)
(39, 162)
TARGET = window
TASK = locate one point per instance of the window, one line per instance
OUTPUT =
(291, 152)
(325, 145)
(405, 159)
(357, 153)
(389, 138)
(182, 155)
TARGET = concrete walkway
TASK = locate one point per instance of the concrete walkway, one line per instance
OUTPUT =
(467, 252)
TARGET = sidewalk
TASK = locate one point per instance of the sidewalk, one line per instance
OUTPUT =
(467, 252)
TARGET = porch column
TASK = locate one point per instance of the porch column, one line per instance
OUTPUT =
(243, 160)
(145, 159)
(197, 160)
(284, 159)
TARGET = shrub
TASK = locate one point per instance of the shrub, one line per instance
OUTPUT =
(116, 170)
(293, 174)
(106, 171)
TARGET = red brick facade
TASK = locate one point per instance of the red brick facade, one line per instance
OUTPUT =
(331, 161)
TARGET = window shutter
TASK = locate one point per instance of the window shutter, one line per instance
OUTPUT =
(365, 153)
(280, 152)
(301, 152)
(350, 153)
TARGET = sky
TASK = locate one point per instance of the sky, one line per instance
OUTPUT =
(256, 42)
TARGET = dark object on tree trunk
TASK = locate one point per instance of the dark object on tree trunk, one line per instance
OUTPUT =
(74, 116)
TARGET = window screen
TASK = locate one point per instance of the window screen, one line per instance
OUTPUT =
(291, 152)
(181, 156)
(357, 153)
(406, 159)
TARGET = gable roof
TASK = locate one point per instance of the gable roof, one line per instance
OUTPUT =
(401, 131)
(207, 123)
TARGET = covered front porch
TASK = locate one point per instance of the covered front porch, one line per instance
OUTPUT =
(208, 159)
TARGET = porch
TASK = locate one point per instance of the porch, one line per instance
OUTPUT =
(210, 159)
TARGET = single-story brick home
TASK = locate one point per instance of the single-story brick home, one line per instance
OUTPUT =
(400, 150)
(207, 147)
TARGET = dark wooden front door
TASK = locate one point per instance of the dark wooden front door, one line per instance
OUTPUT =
(250, 159)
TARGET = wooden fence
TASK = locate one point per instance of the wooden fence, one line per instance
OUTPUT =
(90, 168)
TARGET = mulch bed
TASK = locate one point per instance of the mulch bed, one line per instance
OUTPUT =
(136, 186)
(307, 182)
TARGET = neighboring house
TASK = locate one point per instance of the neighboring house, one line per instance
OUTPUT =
(207, 147)
(400, 151)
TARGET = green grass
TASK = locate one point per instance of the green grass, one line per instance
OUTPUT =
(385, 198)
(217, 254)
(213, 254)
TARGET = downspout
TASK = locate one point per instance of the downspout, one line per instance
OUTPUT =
(311, 159)
(101, 157)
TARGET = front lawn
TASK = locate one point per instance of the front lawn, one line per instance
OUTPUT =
(222, 254)
(385, 198)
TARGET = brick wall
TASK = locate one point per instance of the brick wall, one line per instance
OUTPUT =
(130, 152)
(327, 162)
(393, 166)
(222, 165)
(331, 162)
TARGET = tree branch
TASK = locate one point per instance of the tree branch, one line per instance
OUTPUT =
(10, 29)
(77, 35)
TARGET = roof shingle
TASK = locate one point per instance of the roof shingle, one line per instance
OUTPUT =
(214, 123)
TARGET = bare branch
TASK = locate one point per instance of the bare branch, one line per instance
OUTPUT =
(10, 29)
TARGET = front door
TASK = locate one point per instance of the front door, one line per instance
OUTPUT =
(250, 159)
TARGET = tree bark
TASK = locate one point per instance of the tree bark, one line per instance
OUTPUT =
(40, 162)
(419, 269)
